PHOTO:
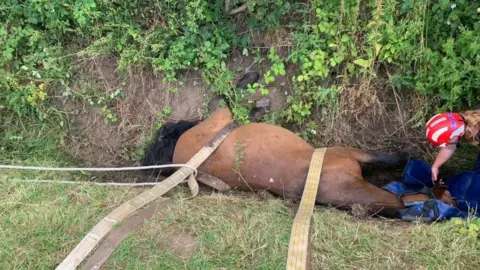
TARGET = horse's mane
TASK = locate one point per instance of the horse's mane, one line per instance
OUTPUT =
(160, 151)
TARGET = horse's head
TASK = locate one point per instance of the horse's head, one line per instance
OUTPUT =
(442, 194)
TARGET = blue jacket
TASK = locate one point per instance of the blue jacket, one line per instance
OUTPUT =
(464, 188)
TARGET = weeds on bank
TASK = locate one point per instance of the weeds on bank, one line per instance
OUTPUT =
(426, 46)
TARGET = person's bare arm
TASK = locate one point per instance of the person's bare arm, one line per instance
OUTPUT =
(443, 156)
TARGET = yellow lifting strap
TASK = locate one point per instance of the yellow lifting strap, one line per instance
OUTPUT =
(105, 225)
(298, 247)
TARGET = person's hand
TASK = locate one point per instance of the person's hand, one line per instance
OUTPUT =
(434, 174)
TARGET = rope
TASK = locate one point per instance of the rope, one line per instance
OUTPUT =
(98, 169)
(105, 225)
(88, 183)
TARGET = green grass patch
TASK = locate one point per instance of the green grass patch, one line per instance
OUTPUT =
(41, 224)
(25, 139)
(343, 242)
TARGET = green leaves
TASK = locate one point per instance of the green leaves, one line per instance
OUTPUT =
(345, 38)
(8, 53)
(362, 62)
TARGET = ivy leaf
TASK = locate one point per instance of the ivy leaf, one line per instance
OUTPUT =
(362, 62)
(333, 63)
(8, 53)
(406, 6)
(272, 50)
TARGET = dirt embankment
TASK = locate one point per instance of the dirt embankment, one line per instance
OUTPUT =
(145, 103)
(370, 115)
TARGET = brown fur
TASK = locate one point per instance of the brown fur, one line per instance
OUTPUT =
(277, 160)
(441, 194)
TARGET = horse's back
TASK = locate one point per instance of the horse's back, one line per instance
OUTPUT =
(263, 155)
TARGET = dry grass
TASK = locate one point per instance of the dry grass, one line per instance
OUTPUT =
(40, 224)
(374, 115)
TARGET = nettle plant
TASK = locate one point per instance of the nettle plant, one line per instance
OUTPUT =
(434, 48)
(325, 48)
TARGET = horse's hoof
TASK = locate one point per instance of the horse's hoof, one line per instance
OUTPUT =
(261, 108)
(248, 78)
(257, 113)
(263, 103)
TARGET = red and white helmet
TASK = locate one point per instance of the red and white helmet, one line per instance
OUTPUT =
(443, 126)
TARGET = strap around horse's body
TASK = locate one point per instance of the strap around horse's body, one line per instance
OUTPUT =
(298, 247)
(104, 226)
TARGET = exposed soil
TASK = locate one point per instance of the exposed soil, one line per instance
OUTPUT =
(96, 143)
(182, 245)
(371, 115)
(146, 97)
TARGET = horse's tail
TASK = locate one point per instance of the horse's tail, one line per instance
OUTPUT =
(160, 151)
(395, 159)
(380, 168)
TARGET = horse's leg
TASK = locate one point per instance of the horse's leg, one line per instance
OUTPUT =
(343, 189)
(213, 182)
(249, 78)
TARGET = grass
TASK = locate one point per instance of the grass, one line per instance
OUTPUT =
(28, 141)
(341, 242)
(40, 224)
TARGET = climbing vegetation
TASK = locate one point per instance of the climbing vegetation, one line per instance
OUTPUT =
(430, 48)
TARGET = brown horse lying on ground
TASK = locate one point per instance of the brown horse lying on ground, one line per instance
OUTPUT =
(260, 156)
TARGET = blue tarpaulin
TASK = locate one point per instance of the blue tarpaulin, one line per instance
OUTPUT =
(464, 189)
